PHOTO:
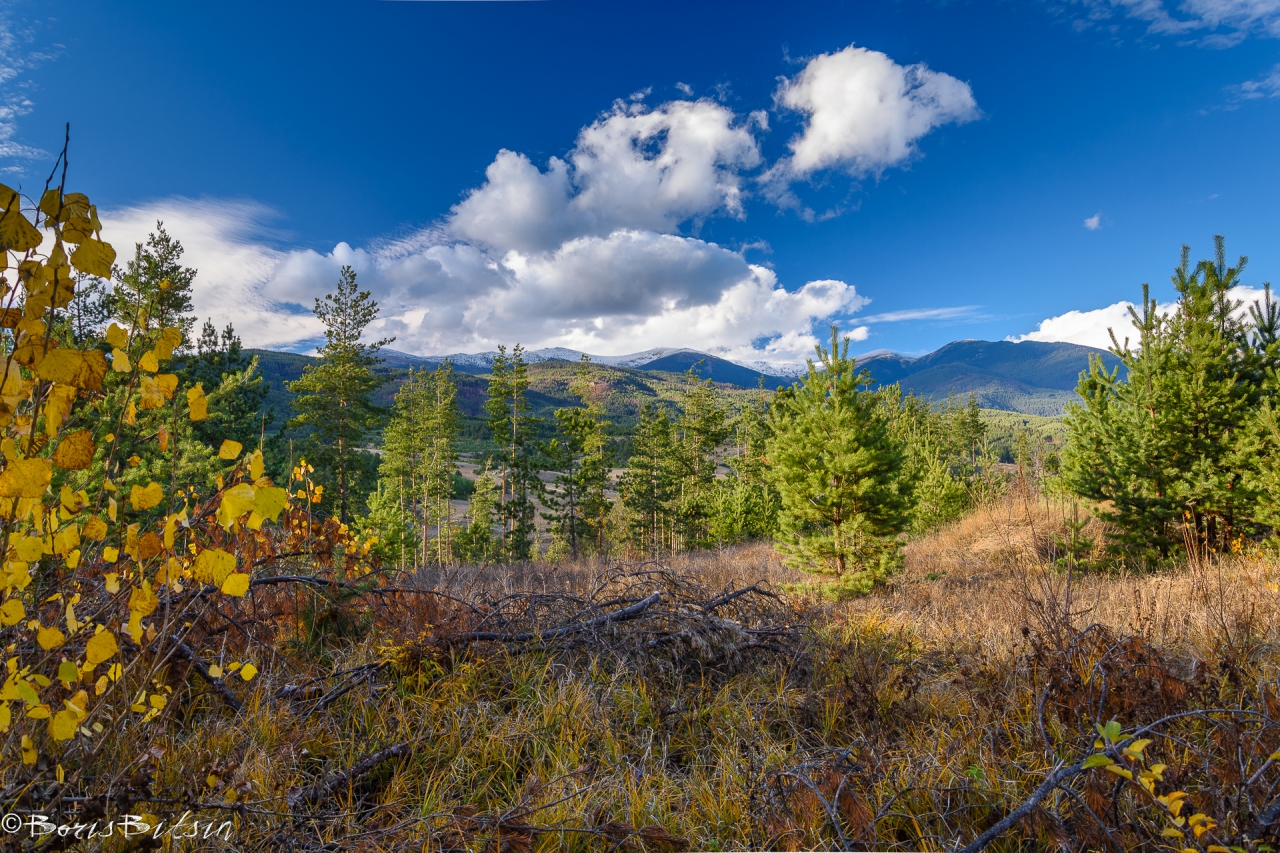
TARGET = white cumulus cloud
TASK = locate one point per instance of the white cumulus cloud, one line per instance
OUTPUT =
(632, 168)
(596, 250)
(1094, 328)
(864, 112)
(1093, 223)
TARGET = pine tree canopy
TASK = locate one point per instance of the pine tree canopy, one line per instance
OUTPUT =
(839, 471)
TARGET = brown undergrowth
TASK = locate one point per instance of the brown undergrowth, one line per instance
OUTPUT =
(688, 704)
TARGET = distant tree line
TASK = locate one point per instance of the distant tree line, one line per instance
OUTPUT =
(1175, 448)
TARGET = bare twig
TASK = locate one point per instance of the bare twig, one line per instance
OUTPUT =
(219, 686)
(304, 796)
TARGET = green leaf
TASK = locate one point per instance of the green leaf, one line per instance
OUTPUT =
(1098, 760)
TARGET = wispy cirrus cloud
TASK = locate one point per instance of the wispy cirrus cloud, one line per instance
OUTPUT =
(1207, 23)
(18, 57)
(1267, 86)
(958, 312)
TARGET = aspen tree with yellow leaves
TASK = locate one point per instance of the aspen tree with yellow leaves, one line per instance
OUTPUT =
(111, 567)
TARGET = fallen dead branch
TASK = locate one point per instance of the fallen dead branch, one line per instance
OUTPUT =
(300, 797)
(638, 616)
(182, 650)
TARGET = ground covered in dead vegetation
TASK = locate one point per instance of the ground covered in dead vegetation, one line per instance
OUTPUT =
(987, 695)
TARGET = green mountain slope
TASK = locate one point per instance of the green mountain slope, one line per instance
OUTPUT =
(1031, 377)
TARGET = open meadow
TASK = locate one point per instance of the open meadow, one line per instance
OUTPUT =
(690, 703)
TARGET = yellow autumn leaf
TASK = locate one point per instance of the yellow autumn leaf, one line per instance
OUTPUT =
(57, 406)
(51, 203)
(236, 501)
(151, 396)
(146, 498)
(12, 612)
(236, 585)
(62, 726)
(213, 565)
(68, 673)
(120, 361)
(75, 451)
(256, 466)
(229, 449)
(170, 339)
(16, 233)
(66, 540)
(117, 337)
(81, 369)
(94, 257)
(29, 753)
(149, 362)
(110, 553)
(94, 528)
(268, 501)
(25, 478)
(71, 501)
(131, 539)
(197, 403)
(50, 638)
(168, 384)
(248, 671)
(101, 647)
(29, 548)
(142, 600)
(6, 717)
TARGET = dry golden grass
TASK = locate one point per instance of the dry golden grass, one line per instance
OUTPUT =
(914, 718)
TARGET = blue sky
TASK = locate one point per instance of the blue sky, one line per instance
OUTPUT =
(613, 177)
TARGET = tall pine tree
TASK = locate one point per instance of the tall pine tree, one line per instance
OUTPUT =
(840, 473)
(648, 484)
(333, 400)
(513, 431)
(1162, 447)
(579, 453)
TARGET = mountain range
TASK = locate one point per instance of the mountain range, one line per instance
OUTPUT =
(1030, 377)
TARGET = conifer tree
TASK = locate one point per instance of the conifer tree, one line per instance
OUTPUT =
(334, 398)
(440, 458)
(400, 475)
(647, 486)
(474, 543)
(232, 382)
(419, 458)
(513, 431)
(1166, 444)
(702, 427)
(145, 311)
(840, 474)
(155, 285)
(746, 502)
(580, 454)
